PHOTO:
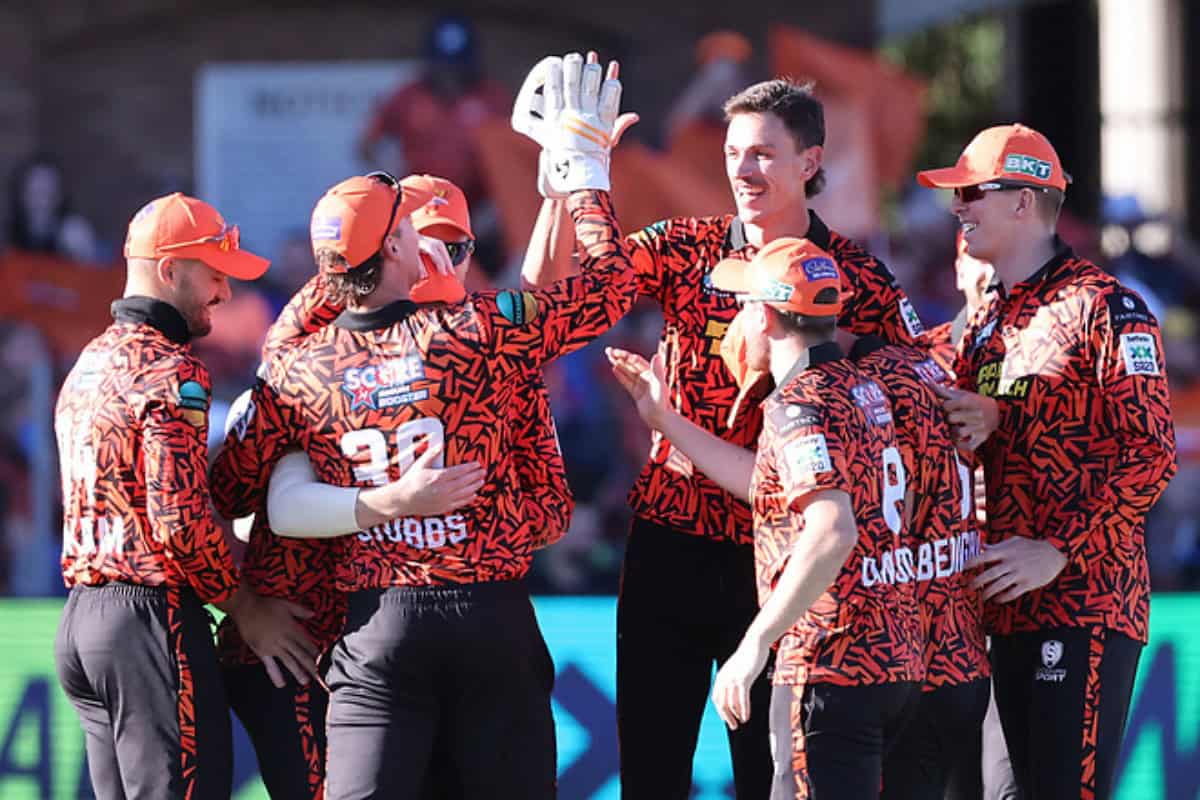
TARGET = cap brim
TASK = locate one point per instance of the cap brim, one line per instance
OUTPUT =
(950, 178)
(239, 264)
(427, 221)
(731, 275)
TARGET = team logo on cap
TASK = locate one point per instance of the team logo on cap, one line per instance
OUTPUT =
(776, 291)
(1027, 165)
(326, 228)
(819, 269)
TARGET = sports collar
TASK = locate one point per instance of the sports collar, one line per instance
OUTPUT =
(383, 317)
(821, 354)
(818, 233)
(158, 314)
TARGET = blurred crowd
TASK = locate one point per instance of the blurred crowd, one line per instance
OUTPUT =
(67, 274)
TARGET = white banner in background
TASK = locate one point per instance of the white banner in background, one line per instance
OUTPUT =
(271, 138)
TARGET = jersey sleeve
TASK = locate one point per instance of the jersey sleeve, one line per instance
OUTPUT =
(649, 249)
(528, 328)
(175, 455)
(1126, 344)
(257, 436)
(810, 454)
(309, 310)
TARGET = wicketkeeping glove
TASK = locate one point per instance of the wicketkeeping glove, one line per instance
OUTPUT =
(575, 120)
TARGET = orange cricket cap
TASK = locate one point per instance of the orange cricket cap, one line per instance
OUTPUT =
(1005, 152)
(184, 227)
(447, 204)
(789, 274)
(355, 217)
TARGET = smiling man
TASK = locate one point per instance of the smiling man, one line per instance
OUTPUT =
(1063, 390)
(687, 588)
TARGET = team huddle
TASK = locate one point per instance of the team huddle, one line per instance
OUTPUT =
(807, 519)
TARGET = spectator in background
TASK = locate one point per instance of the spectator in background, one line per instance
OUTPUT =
(433, 119)
(40, 216)
(291, 268)
(29, 544)
(695, 126)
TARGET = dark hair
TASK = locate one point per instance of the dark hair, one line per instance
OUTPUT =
(352, 285)
(802, 323)
(796, 106)
(20, 236)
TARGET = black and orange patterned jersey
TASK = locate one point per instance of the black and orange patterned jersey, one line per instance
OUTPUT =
(1085, 443)
(941, 344)
(537, 455)
(674, 260)
(829, 427)
(300, 570)
(941, 535)
(132, 425)
(538, 460)
(360, 396)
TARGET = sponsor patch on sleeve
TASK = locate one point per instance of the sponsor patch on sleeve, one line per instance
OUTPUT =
(808, 455)
(1140, 354)
(912, 320)
(193, 403)
(518, 308)
(1125, 309)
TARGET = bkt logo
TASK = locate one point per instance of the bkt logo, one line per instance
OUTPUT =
(1027, 165)
(384, 385)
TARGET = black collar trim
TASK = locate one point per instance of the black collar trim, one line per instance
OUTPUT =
(735, 237)
(818, 233)
(821, 354)
(160, 315)
(380, 318)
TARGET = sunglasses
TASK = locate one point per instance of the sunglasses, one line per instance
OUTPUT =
(459, 251)
(969, 194)
(227, 239)
(388, 179)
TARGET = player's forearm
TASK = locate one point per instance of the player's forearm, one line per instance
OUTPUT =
(725, 463)
(830, 534)
(550, 255)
